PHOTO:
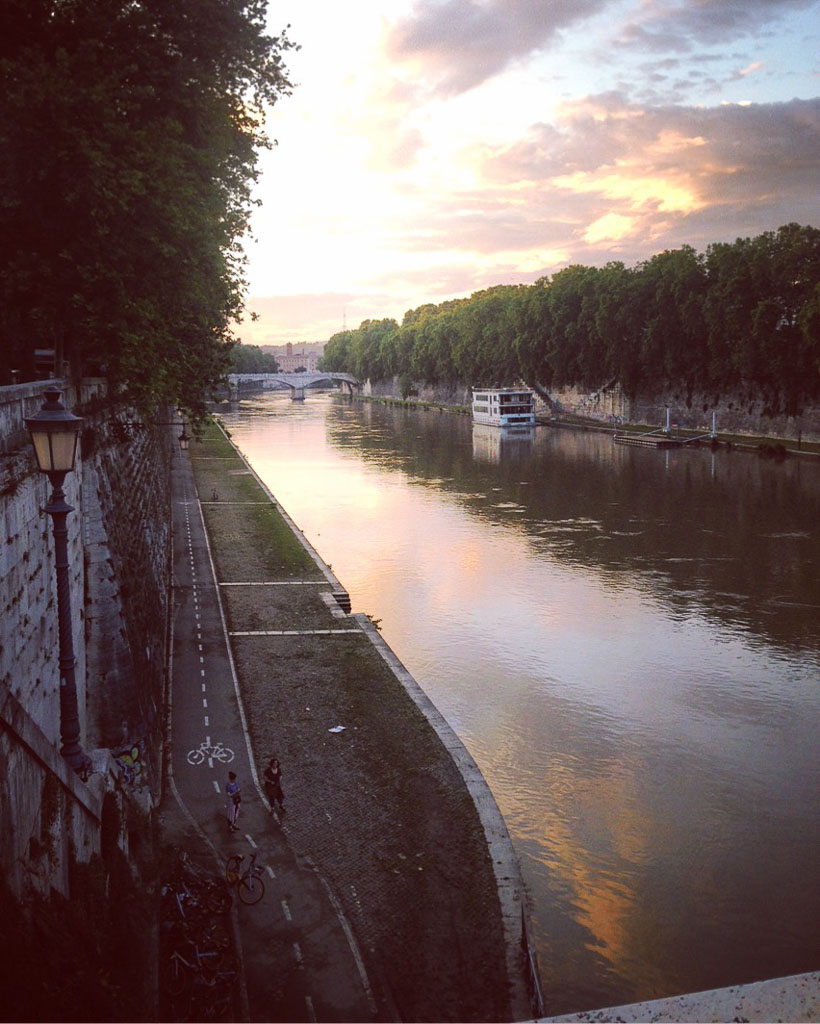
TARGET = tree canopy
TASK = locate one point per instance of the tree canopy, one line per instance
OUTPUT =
(741, 319)
(251, 359)
(129, 138)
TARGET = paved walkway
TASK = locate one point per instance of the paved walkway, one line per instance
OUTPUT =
(300, 960)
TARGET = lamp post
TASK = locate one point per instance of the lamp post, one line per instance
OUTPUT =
(54, 433)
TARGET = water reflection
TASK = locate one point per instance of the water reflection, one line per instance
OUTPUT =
(626, 640)
(686, 521)
(492, 444)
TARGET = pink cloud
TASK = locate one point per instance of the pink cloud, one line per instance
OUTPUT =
(460, 43)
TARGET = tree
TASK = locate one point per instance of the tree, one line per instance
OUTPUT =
(673, 342)
(129, 133)
(251, 359)
(483, 351)
(575, 343)
(760, 337)
(531, 337)
(336, 357)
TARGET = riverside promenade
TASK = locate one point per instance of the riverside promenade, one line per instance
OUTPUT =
(392, 891)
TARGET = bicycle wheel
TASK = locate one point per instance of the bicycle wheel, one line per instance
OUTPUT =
(251, 889)
(216, 933)
(179, 977)
(219, 1006)
(209, 958)
(217, 898)
(232, 869)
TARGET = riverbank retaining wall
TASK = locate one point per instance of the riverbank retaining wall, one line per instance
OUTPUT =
(733, 414)
(118, 537)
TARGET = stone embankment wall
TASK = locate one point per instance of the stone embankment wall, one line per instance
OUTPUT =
(733, 415)
(119, 537)
(436, 394)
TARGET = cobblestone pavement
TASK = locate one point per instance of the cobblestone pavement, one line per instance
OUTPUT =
(381, 851)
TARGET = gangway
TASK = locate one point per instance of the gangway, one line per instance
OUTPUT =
(712, 435)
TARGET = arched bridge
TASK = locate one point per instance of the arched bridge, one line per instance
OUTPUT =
(296, 382)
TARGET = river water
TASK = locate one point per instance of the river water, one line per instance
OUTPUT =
(628, 643)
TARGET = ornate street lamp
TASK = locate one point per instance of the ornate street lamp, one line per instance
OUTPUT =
(184, 440)
(54, 433)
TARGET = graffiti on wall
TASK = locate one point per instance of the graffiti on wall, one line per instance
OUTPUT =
(132, 768)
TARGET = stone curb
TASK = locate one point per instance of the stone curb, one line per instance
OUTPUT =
(522, 971)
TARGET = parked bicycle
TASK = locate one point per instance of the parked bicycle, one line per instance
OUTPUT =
(191, 896)
(199, 969)
(203, 960)
(248, 881)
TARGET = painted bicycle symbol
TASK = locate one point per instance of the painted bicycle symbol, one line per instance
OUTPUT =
(211, 753)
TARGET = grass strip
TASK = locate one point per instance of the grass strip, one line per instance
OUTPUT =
(249, 608)
(254, 543)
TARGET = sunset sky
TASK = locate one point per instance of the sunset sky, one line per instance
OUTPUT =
(432, 148)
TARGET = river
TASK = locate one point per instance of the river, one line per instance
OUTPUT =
(628, 643)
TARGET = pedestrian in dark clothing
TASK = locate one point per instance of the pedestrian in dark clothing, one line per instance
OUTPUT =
(234, 800)
(273, 784)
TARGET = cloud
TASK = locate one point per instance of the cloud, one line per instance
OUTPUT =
(609, 228)
(754, 66)
(456, 45)
(615, 180)
(679, 25)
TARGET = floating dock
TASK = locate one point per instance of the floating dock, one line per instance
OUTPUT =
(648, 440)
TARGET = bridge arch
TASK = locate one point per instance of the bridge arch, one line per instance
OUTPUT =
(296, 382)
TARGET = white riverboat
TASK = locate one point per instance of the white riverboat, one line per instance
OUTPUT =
(503, 407)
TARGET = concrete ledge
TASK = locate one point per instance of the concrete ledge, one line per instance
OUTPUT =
(20, 725)
(795, 999)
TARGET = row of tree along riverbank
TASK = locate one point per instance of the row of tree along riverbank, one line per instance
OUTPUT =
(740, 320)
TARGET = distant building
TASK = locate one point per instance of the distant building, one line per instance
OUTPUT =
(306, 356)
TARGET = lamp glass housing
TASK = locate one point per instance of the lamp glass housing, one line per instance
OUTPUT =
(54, 432)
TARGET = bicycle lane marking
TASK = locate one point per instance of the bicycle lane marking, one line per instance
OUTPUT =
(244, 1004)
(196, 703)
